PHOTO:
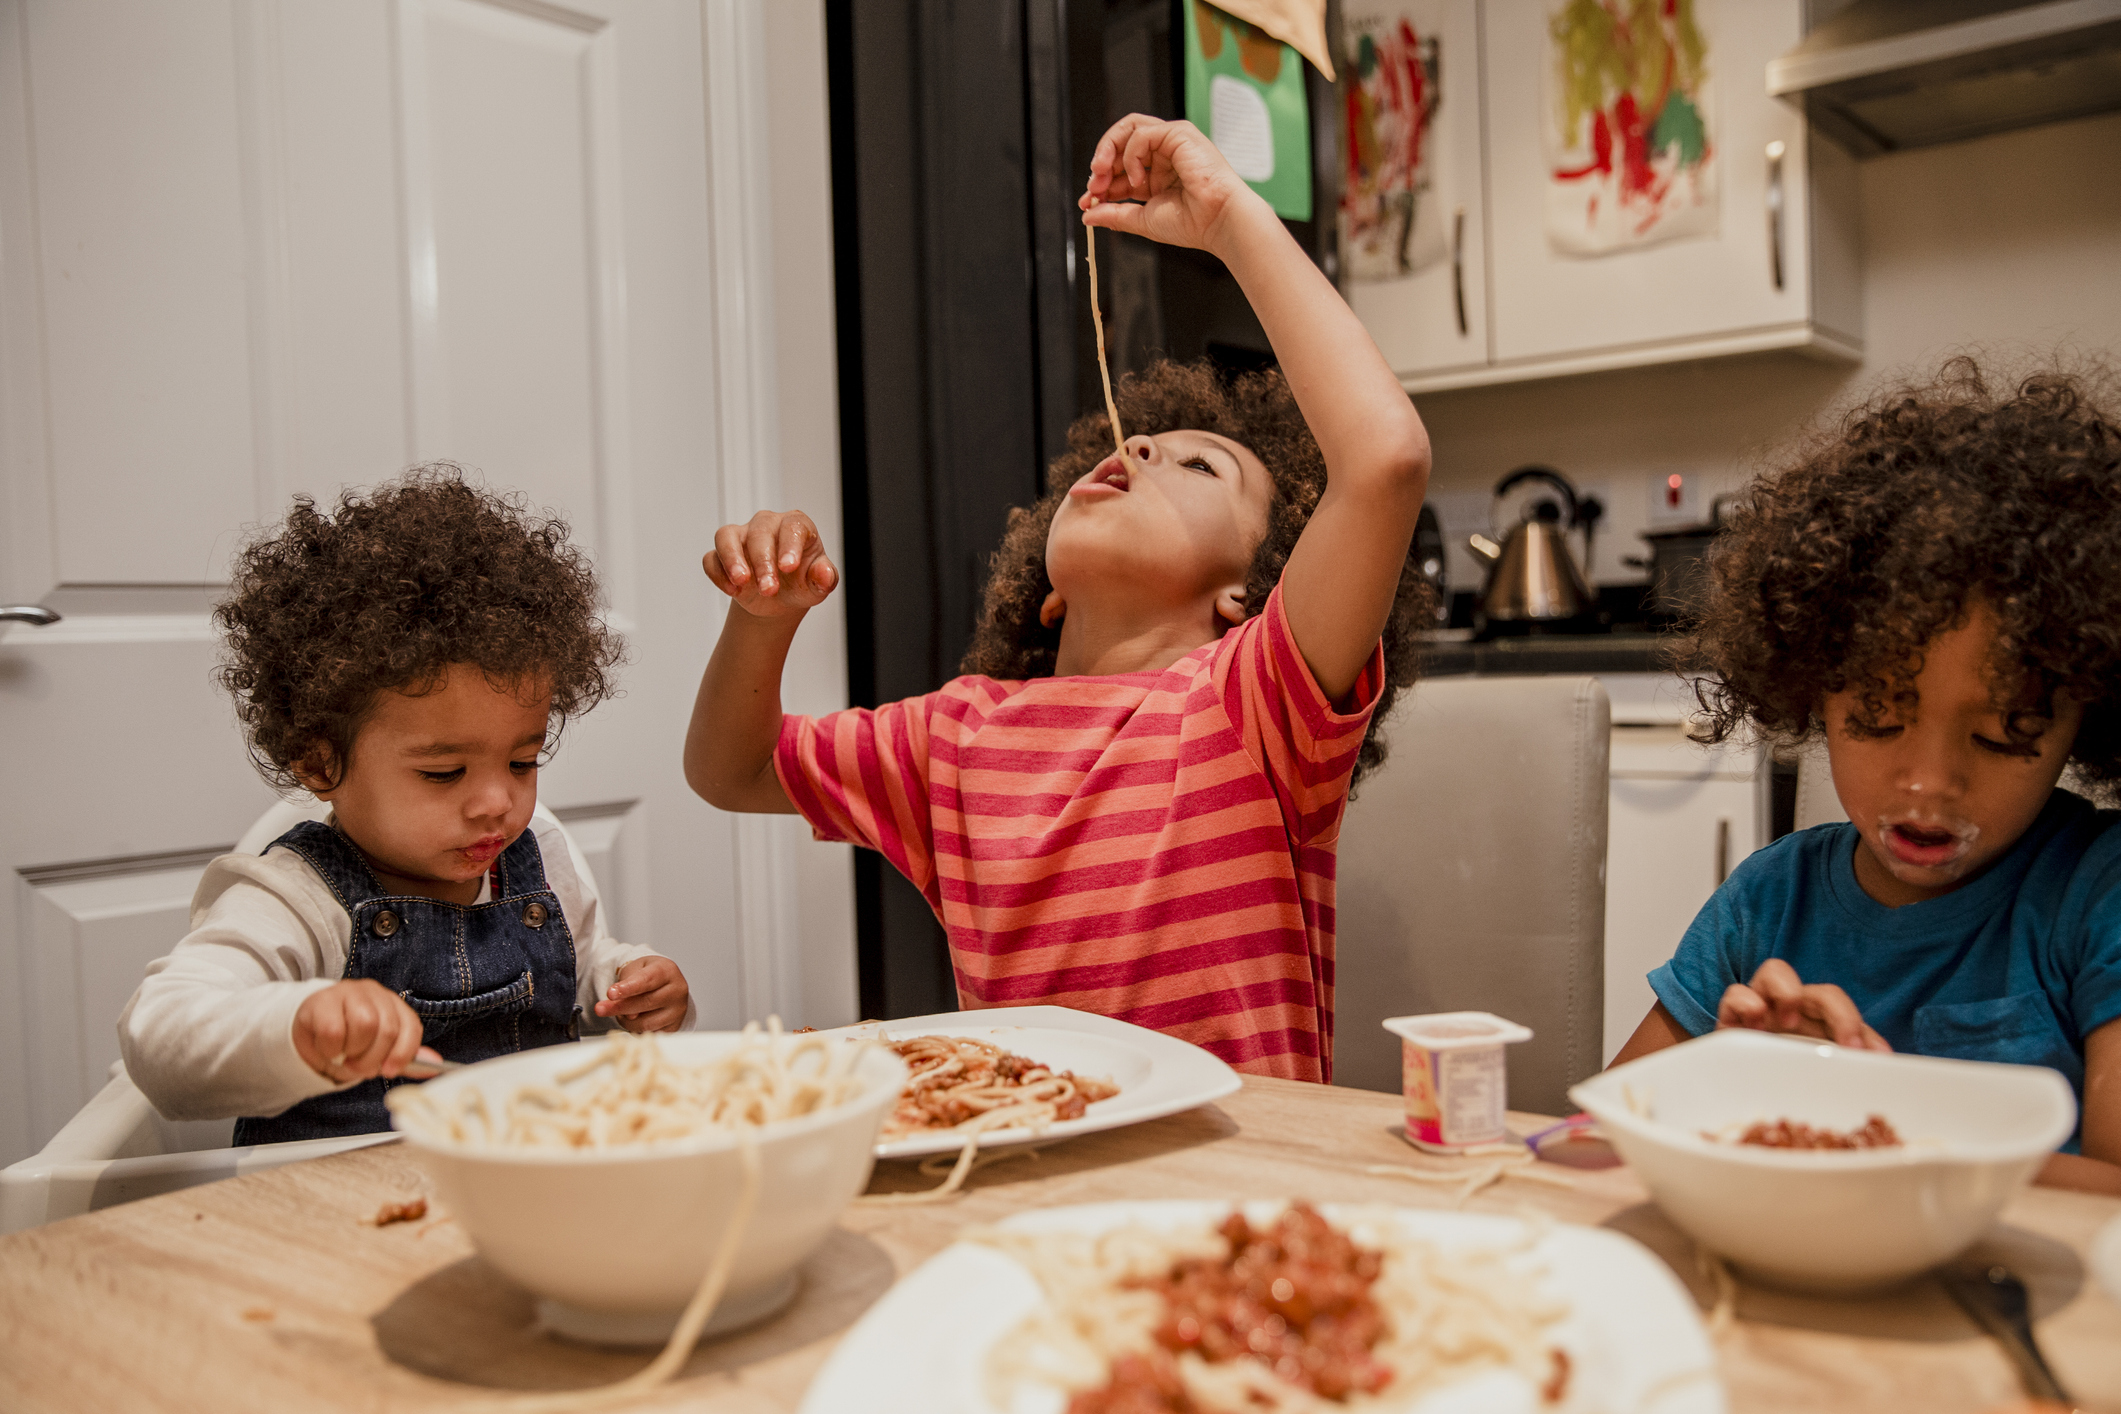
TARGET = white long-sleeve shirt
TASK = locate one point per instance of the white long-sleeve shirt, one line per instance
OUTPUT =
(209, 1033)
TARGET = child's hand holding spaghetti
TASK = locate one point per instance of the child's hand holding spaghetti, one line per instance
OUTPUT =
(1182, 182)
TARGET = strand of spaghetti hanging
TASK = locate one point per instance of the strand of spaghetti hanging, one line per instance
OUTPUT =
(1097, 320)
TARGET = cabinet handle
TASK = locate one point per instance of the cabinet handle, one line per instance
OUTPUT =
(1723, 851)
(1458, 268)
(1774, 210)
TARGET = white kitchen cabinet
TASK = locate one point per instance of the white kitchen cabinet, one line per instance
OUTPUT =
(1435, 320)
(1681, 817)
(1776, 265)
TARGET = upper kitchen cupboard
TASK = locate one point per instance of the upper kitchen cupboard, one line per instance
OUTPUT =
(1414, 241)
(1641, 199)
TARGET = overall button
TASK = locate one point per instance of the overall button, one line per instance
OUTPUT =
(384, 924)
(534, 915)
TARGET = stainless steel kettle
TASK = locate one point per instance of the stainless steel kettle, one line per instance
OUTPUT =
(1532, 575)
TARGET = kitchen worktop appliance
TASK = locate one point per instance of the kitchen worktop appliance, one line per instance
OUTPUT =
(1533, 583)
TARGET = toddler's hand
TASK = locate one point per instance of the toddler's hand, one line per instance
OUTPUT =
(772, 565)
(1171, 167)
(355, 1030)
(1778, 1000)
(648, 995)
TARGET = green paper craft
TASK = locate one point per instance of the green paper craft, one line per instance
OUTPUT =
(1255, 86)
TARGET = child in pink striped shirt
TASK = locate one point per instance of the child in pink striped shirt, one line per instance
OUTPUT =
(1130, 802)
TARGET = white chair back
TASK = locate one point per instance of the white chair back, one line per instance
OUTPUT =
(1472, 878)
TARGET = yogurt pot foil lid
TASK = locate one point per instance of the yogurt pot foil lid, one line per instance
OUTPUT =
(1453, 1030)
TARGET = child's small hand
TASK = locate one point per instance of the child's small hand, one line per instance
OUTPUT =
(355, 1030)
(648, 995)
(774, 564)
(1182, 180)
(1778, 1000)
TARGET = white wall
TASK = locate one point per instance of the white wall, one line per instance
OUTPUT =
(2011, 243)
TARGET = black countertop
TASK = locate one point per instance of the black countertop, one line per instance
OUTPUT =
(1624, 650)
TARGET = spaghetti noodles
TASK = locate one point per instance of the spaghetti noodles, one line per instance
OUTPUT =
(1300, 1317)
(641, 1098)
(970, 1087)
(956, 1081)
(1104, 370)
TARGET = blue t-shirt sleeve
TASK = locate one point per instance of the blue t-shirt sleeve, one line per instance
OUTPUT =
(2094, 975)
(1692, 983)
(1728, 939)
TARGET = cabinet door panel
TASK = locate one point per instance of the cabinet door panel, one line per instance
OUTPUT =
(1548, 303)
(1668, 842)
(1434, 318)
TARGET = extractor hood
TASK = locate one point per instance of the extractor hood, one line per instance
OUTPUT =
(1884, 75)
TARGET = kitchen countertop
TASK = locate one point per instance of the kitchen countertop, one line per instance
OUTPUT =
(1624, 650)
(273, 1292)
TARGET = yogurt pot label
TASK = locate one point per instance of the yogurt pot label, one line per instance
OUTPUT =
(1453, 1077)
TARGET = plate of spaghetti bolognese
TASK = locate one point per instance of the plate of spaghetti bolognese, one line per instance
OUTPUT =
(1033, 1074)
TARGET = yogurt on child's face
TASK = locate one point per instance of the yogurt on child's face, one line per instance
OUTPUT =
(1944, 778)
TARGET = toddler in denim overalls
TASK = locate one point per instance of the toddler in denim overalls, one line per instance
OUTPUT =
(408, 661)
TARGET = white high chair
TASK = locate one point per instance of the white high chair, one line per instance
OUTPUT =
(117, 1148)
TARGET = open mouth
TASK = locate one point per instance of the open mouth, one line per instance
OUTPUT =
(1927, 844)
(1111, 476)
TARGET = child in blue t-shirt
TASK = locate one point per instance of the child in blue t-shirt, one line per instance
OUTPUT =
(1935, 589)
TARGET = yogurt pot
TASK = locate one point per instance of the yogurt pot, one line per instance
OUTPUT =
(1451, 1072)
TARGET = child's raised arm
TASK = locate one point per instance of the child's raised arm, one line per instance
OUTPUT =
(1340, 581)
(775, 570)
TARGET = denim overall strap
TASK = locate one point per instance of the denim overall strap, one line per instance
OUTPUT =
(486, 979)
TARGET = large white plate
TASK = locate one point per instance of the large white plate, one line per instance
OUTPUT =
(1157, 1075)
(1634, 1339)
(2106, 1258)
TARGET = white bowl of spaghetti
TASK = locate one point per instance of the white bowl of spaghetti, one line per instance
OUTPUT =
(628, 1180)
(1813, 1166)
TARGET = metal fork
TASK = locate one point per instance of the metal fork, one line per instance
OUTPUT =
(1996, 1299)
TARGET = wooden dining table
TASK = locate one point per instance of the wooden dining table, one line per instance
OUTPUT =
(278, 1291)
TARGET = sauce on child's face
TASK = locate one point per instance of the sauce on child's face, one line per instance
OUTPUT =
(1173, 517)
(1936, 788)
(437, 785)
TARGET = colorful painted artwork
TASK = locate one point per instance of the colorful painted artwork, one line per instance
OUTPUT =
(1245, 90)
(1631, 148)
(1391, 222)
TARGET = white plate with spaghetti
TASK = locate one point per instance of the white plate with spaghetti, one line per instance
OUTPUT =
(976, 1330)
(1156, 1075)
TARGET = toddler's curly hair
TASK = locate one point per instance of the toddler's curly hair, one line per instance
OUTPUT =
(1257, 410)
(1883, 532)
(387, 591)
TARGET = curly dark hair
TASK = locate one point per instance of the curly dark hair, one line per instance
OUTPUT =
(1929, 499)
(1256, 410)
(386, 592)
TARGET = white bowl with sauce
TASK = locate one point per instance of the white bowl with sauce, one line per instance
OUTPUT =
(613, 1242)
(1973, 1134)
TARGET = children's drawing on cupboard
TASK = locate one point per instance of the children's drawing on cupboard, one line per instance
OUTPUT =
(1629, 125)
(1391, 218)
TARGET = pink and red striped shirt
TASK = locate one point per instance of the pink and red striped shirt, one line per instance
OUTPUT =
(1158, 847)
